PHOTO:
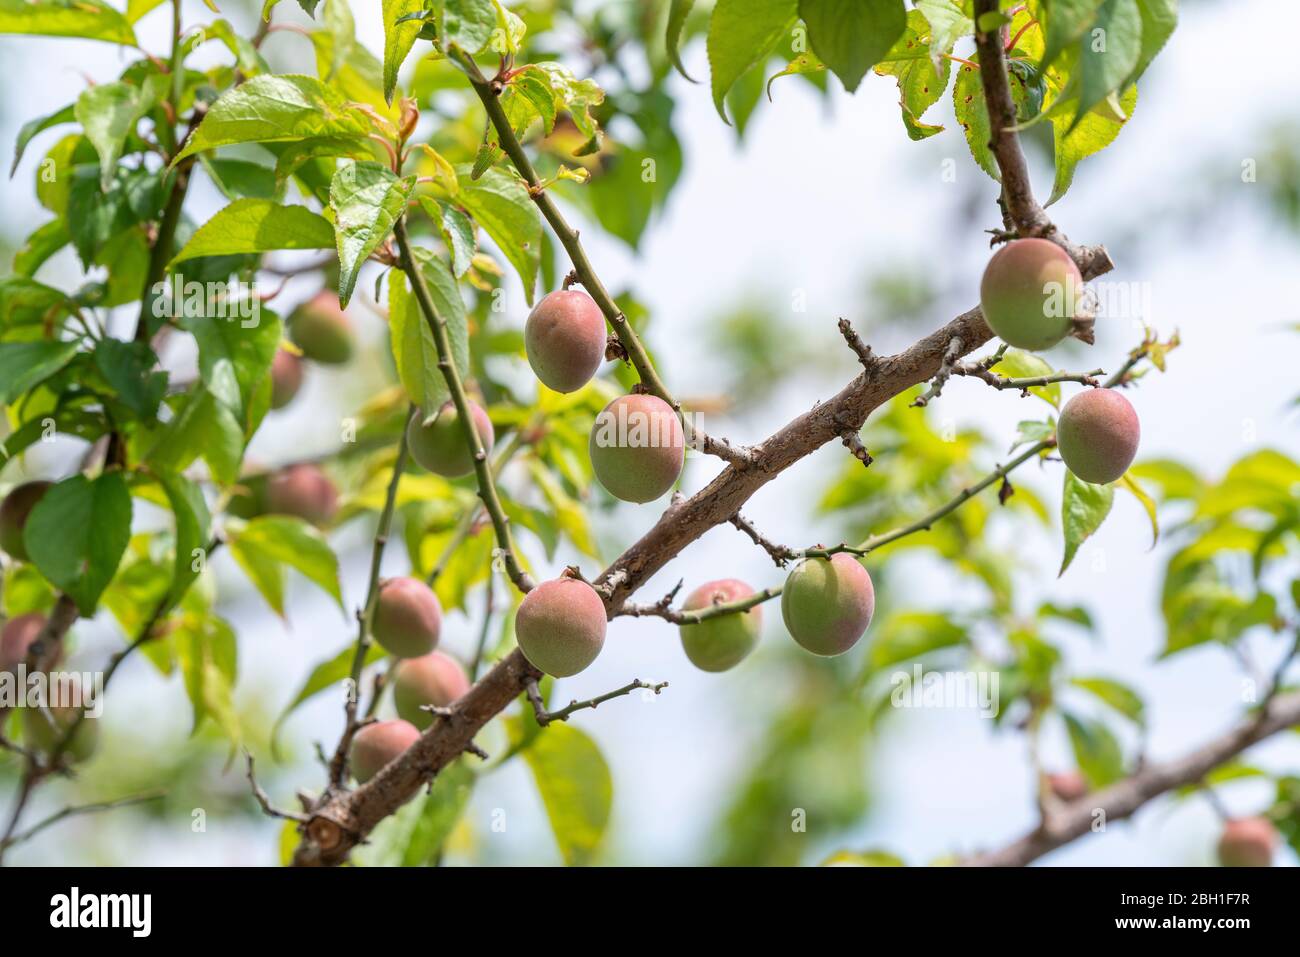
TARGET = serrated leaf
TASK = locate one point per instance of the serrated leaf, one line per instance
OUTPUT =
(1093, 132)
(920, 81)
(39, 125)
(202, 426)
(258, 226)
(77, 533)
(468, 24)
(235, 354)
(89, 19)
(109, 112)
(26, 364)
(415, 352)
(129, 367)
(948, 23)
(1159, 18)
(269, 542)
(277, 109)
(457, 231)
(500, 204)
(1109, 53)
(742, 33)
(1084, 507)
(324, 675)
(851, 38)
(677, 14)
(399, 38)
(576, 787)
(367, 200)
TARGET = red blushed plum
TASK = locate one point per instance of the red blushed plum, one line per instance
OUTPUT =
(286, 378)
(1067, 785)
(565, 340)
(408, 618)
(827, 605)
(434, 679)
(302, 490)
(1029, 293)
(1248, 842)
(17, 637)
(18, 504)
(320, 328)
(1098, 435)
(637, 447)
(439, 444)
(560, 626)
(717, 644)
(375, 745)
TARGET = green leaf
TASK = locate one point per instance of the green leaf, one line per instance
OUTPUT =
(77, 533)
(43, 243)
(576, 787)
(26, 364)
(367, 199)
(742, 33)
(872, 858)
(920, 81)
(203, 427)
(109, 113)
(206, 651)
(1075, 614)
(468, 24)
(910, 634)
(1018, 364)
(269, 542)
(1084, 507)
(240, 179)
(258, 226)
(235, 354)
(129, 367)
(457, 231)
(499, 202)
(277, 109)
(193, 527)
(414, 351)
(415, 835)
(1148, 504)
(677, 14)
(89, 19)
(1109, 53)
(1116, 695)
(39, 125)
(851, 38)
(1159, 18)
(1067, 22)
(399, 38)
(1096, 751)
(1093, 132)
(324, 675)
(948, 22)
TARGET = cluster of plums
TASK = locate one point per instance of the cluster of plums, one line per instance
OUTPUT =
(1029, 296)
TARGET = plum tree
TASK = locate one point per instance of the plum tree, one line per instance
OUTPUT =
(17, 636)
(720, 643)
(1067, 785)
(44, 728)
(828, 604)
(1247, 842)
(1098, 435)
(560, 626)
(637, 447)
(286, 378)
(433, 679)
(408, 617)
(564, 338)
(377, 744)
(1029, 293)
(320, 328)
(439, 443)
(303, 490)
(18, 504)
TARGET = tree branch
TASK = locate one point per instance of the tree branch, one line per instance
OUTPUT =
(545, 717)
(1125, 798)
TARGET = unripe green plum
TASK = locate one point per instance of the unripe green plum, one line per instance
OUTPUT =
(17, 505)
(565, 340)
(827, 605)
(248, 496)
(1098, 435)
(286, 378)
(43, 734)
(439, 444)
(717, 644)
(1247, 842)
(637, 447)
(560, 626)
(437, 679)
(17, 637)
(320, 328)
(1029, 293)
(376, 745)
(408, 618)
(302, 490)
(1067, 785)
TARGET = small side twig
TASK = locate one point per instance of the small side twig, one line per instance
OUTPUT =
(74, 810)
(263, 799)
(780, 554)
(545, 717)
(860, 348)
(949, 361)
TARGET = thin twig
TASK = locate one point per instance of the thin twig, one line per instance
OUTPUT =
(946, 366)
(545, 717)
(73, 810)
(780, 554)
(264, 800)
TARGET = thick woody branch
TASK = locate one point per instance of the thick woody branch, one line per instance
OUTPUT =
(1125, 798)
